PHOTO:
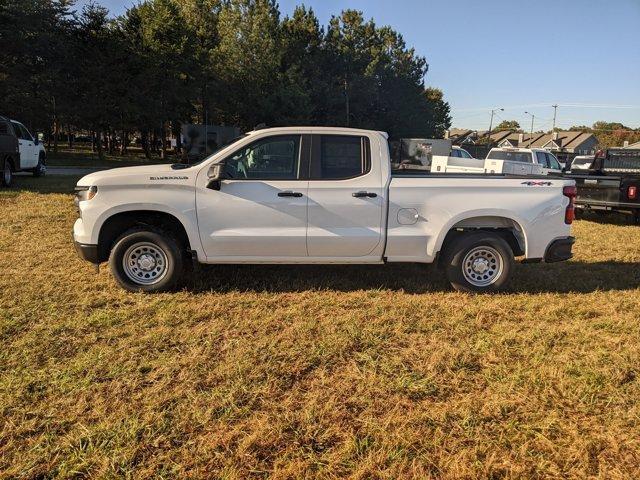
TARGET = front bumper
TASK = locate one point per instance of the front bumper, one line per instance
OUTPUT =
(559, 250)
(87, 252)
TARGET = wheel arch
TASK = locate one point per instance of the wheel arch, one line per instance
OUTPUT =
(114, 225)
(504, 225)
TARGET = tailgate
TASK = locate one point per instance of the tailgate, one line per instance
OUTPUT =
(597, 190)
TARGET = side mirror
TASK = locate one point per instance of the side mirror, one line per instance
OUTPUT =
(36, 140)
(214, 176)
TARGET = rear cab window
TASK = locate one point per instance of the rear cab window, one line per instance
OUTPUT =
(512, 156)
(339, 157)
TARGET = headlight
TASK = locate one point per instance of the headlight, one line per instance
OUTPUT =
(84, 193)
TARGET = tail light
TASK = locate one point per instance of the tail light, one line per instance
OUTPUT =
(570, 212)
(632, 192)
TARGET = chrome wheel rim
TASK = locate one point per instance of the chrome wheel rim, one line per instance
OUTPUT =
(482, 266)
(145, 263)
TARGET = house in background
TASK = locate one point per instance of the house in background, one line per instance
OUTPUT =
(635, 145)
(564, 144)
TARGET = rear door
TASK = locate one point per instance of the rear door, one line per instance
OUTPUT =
(346, 198)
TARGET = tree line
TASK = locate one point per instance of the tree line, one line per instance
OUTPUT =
(230, 62)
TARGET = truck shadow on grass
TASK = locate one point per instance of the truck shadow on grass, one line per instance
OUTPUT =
(579, 277)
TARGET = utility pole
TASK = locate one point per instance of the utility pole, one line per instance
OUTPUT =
(555, 109)
(531, 134)
(491, 123)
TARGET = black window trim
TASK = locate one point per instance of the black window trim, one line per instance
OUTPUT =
(316, 144)
(303, 159)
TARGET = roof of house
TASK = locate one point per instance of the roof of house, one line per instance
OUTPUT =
(633, 145)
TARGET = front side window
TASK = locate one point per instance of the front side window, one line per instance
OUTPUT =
(465, 154)
(340, 157)
(455, 153)
(542, 159)
(18, 129)
(271, 158)
(553, 161)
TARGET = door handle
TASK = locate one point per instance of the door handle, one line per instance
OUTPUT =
(289, 193)
(364, 194)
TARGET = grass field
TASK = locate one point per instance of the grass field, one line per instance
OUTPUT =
(290, 372)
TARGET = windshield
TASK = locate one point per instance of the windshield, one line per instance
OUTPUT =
(524, 157)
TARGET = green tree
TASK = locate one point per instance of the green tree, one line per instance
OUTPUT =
(512, 125)
(439, 112)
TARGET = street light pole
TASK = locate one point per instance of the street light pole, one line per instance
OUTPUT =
(491, 123)
(555, 109)
(531, 134)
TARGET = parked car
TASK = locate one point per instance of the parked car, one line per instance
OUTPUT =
(537, 156)
(609, 181)
(33, 156)
(9, 151)
(317, 195)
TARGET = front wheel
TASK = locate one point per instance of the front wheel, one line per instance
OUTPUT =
(41, 168)
(146, 260)
(478, 262)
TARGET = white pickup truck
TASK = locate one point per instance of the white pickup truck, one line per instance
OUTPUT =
(317, 195)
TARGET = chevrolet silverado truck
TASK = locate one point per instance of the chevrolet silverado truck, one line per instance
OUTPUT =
(317, 195)
(608, 181)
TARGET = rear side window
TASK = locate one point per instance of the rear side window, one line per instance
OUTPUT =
(4, 128)
(18, 129)
(340, 157)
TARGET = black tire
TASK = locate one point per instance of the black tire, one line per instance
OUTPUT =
(41, 168)
(7, 173)
(160, 250)
(491, 252)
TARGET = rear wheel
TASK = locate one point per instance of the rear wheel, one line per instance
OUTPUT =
(146, 260)
(478, 262)
(7, 173)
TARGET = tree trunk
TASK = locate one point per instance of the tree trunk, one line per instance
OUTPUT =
(69, 137)
(56, 133)
(175, 129)
(163, 141)
(98, 137)
(112, 142)
(154, 141)
(93, 140)
(144, 140)
(124, 143)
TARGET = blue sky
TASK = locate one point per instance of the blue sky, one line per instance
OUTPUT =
(583, 55)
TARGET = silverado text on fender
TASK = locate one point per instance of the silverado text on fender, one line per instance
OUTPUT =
(317, 195)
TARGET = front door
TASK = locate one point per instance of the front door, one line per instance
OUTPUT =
(260, 211)
(346, 199)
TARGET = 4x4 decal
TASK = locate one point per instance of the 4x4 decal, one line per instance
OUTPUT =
(537, 184)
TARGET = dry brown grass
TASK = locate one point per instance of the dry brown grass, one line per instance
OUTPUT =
(328, 372)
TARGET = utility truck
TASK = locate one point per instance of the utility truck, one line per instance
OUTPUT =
(516, 161)
(321, 195)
